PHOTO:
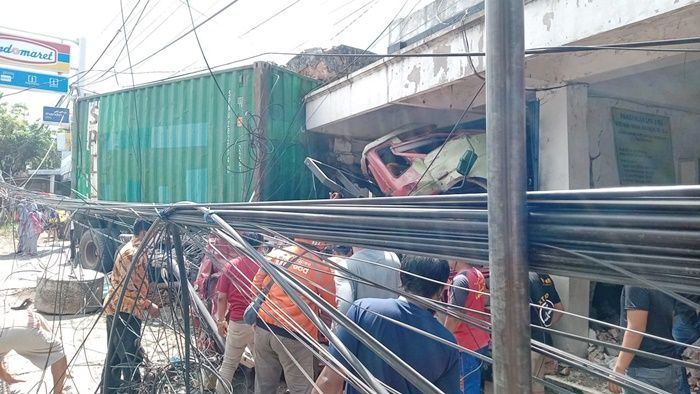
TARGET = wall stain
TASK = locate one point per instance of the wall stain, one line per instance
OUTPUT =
(440, 62)
(547, 20)
(414, 77)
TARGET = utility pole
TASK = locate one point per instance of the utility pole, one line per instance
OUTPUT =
(507, 179)
(81, 66)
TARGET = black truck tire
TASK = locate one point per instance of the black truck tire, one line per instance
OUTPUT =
(96, 251)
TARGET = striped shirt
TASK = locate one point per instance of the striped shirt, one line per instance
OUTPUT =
(136, 297)
(21, 319)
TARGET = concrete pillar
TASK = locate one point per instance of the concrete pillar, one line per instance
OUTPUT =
(564, 164)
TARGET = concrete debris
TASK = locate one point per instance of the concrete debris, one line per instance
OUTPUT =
(329, 68)
(564, 371)
(600, 354)
(693, 356)
(592, 334)
(607, 357)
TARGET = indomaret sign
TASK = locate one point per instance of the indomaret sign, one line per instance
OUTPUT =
(28, 52)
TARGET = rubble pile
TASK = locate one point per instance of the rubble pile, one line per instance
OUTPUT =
(693, 356)
(607, 356)
(603, 355)
(330, 68)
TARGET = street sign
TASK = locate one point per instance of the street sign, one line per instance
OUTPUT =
(31, 80)
(39, 54)
(56, 116)
(644, 149)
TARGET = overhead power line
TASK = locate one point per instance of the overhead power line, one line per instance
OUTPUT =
(270, 18)
(200, 24)
(648, 46)
(116, 34)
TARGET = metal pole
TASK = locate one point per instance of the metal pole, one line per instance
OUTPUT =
(185, 299)
(82, 44)
(505, 133)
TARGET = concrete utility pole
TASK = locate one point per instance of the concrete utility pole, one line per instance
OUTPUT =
(82, 44)
(507, 179)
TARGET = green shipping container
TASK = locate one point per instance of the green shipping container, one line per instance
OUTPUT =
(227, 138)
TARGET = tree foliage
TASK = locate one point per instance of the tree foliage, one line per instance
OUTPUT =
(24, 144)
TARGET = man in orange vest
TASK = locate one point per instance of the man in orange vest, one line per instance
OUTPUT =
(281, 326)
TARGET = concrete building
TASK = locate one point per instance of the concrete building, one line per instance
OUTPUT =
(596, 118)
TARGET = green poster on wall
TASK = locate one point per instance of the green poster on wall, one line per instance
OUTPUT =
(643, 148)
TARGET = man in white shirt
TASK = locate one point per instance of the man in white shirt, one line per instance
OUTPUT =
(372, 265)
(28, 334)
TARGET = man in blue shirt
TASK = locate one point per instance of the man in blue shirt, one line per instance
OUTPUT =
(437, 362)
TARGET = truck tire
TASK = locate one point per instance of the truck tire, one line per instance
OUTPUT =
(96, 251)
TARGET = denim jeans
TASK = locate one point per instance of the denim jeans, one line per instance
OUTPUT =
(685, 331)
(123, 353)
(666, 378)
(471, 372)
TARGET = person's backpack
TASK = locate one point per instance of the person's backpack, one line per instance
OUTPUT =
(37, 223)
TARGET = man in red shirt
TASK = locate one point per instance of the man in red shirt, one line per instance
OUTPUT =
(234, 294)
(468, 291)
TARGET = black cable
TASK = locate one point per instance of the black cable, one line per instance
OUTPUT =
(137, 150)
(651, 46)
(116, 34)
(269, 18)
(194, 27)
(371, 4)
(127, 38)
(256, 139)
(284, 143)
(643, 45)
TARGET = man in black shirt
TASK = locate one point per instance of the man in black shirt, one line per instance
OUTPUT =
(544, 294)
(651, 312)
(686, 329)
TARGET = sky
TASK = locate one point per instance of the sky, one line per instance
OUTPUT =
(246, 28)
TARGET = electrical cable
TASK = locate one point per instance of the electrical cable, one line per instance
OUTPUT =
(137, 150)
(268, 18)
(127, 38)
(268, 204)
(654, 45)
(227, 6)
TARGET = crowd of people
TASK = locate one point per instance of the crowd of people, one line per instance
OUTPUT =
(431, 313)
(378, 291)
(388, 297)
(381, 293)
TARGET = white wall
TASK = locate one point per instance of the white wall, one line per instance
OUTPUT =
(564, 165)
(685, 136)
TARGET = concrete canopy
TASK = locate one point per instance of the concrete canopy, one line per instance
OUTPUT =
(391, 93)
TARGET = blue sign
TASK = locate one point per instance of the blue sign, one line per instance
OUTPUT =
(53, 115)
(31, 80)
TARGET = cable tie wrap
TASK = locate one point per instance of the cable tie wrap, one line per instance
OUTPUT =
(208, 218)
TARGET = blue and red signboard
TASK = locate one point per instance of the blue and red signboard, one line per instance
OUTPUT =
(28, 52)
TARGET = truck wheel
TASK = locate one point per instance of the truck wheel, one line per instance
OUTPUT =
(96, 251)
